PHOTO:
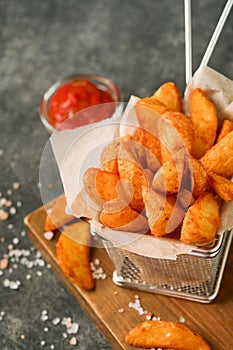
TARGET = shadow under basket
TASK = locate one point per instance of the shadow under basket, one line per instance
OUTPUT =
(194, 276)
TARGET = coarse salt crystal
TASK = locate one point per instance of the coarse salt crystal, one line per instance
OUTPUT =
(28, 276)
(3, 201)
(182, 319)
(6, 282)
(149, 316)
(45, 329)
(52, 346)
(10, 226)
(9, 192)
(12, 211)
(19, 204)
(73, 329)
(43, 342)
(44, 318)
(56, 321)
(39, 262)
(14, 285)
(49, 235)
(121, 310)
(15, 240)
(1, 152)
(97, 261)
(38, 254)
(29, 264)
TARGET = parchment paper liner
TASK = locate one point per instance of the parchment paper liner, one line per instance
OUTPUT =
(71, 147)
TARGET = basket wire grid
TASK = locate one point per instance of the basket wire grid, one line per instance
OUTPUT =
(194, 276)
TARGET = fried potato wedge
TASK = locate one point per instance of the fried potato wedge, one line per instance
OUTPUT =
(169, 177)
(222, 187)
(106, 184)
(158, 211)
(89, 178)
(148, 111)
(151, 148)
(166, 178)
(227, 126)
(57, 216)
(176, 132)
(130, 170)
(205, 122)
(119, 215)
(170, 95)
(219, 159)
(153, 104)
(185, 198)
(100, 185)
(183, 126)
(73, 254)
(202, 220)
(166, 335)
(200, 178)
(109, 156)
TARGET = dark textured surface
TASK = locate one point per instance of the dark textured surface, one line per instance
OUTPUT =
(139, 45)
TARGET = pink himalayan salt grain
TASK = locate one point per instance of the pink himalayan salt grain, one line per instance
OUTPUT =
(73, 341)
(4, 215)
(3, 264)
(48, 235)
(16, 185)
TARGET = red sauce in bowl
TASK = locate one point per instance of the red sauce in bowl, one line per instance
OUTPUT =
(74, 96)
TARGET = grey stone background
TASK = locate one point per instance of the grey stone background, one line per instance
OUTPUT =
(139, 45)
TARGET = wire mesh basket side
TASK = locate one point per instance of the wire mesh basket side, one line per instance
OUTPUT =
(188, 275)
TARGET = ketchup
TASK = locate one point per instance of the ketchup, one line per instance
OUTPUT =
(74, 96)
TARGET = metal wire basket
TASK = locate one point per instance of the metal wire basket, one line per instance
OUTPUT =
(195, 276)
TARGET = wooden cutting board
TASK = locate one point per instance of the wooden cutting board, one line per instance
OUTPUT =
(108, 304)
